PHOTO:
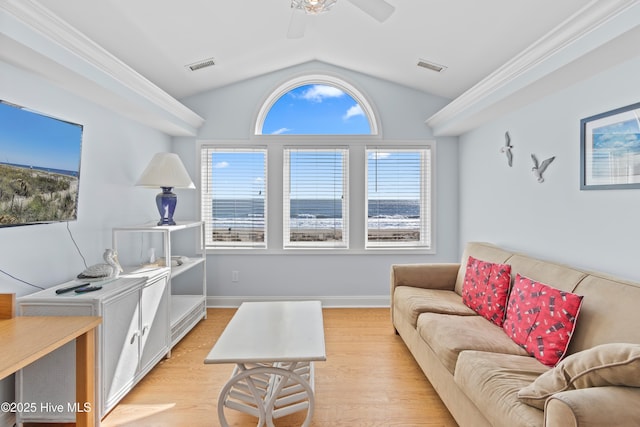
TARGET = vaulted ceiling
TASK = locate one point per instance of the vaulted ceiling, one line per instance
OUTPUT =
(127, 54)
(248, 38)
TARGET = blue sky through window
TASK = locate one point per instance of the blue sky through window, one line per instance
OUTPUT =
(238, 174)
(316, 109)
(394, 174)
(314, 172)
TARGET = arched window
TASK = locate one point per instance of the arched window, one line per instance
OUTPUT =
(316, 105)
(306, 192)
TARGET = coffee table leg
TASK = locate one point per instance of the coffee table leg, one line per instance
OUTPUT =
(269, 392)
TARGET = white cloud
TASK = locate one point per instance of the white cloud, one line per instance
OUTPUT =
(221, 165)
(355, 110)
(317, 93)
(379, 155)
(280, 131)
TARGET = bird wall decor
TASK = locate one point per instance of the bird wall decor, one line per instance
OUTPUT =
(506, 149)
(538, 169)
(109, 270)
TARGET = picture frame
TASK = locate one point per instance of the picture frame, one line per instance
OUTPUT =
(610, 149)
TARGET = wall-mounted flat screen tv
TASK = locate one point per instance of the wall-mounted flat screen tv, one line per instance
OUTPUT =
(39, 167)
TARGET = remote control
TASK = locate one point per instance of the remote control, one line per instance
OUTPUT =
(70, 288)
(88, 289)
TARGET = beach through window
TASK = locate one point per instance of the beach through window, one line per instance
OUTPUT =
(317, 175)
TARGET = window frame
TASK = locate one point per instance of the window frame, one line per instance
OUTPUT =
(286, 209)
(319, 79)
(357, 192)
(425, 192)
(210, 244)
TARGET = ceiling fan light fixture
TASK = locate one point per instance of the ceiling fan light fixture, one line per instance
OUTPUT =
(431, 66)
(313, 7)
(201, 64)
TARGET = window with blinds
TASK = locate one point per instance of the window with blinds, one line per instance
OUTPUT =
(315, 208)
(233, 196)
(398, 197)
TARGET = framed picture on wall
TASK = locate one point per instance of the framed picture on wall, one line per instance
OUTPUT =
(610, 149)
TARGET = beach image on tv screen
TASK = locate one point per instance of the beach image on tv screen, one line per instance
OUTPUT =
(39, 167)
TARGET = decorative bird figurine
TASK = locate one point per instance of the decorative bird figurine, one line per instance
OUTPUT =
(507, 148)
(109, 270)
(538, 170)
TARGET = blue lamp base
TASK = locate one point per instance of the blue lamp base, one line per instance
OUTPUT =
(166, 202)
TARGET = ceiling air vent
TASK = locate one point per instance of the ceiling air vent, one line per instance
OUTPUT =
(201, 64)
(431, 66)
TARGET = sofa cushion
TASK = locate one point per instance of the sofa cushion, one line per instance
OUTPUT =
(603, 365)
(552, 274)
(486, 287)
(609, 312)
(414, 301)
(492, 380)
(541, 319)
(448, 335)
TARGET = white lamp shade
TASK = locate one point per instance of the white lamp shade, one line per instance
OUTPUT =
(165, 170)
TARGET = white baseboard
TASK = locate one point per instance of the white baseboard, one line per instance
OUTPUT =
(7, 419)
(327, 301)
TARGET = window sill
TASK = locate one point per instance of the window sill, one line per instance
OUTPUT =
(319, 251)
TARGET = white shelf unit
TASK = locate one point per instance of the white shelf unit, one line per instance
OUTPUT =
(186, 309)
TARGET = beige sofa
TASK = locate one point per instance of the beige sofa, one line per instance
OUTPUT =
(478, 370)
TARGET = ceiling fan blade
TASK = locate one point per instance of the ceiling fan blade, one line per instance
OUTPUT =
(297, 24)
(378, 9)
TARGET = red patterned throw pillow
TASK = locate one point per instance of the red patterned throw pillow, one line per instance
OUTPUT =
(486, 287)
(541, 319)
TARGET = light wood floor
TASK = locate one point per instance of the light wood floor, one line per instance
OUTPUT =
(369, 379)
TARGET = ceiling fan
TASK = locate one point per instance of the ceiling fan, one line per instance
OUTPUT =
(380, 10)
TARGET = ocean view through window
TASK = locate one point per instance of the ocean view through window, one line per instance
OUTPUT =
(234, 195)
(398, 197)
(317, 177)
(315, 197)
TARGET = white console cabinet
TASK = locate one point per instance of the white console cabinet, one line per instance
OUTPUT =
(187, 280)
(138, 328)
(145, 312)
(133, 337)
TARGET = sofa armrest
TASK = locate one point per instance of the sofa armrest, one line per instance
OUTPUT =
(427, 276)
(594, 407)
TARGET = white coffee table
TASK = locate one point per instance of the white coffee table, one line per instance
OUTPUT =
(273, 345)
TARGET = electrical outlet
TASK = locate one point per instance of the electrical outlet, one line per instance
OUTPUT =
(235, 276)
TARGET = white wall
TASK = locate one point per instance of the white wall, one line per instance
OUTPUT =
(597, 230)
(230, 114)
(114, 153)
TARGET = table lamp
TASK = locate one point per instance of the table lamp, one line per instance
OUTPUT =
(167, 172)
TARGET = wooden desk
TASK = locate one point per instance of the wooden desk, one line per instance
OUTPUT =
(27, 339)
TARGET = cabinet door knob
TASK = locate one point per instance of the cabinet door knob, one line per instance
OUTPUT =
(145, 329)
(133, 337)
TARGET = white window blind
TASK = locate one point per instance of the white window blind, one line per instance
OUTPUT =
(398, 197)
(233, 196)
(315, 208)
